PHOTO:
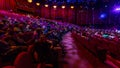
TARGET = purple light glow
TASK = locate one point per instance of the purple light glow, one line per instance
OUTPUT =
(117, 9)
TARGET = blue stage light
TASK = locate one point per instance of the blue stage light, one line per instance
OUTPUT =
(103, 15)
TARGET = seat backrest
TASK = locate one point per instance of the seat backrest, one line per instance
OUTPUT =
(24, 60)
(31, 50)
(8, 67)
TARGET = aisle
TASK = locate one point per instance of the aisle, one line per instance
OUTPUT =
(78, 57)
(72, 56)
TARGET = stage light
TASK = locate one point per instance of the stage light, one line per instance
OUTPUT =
(30, 1)
(102, 16)
(38, 4)
(46, 5)
(63, 7)
(54, 6)
(72, 7)
(117, 9)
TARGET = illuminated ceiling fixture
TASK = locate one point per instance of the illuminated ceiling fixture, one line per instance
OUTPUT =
(54, 6)
(38, 4)
(63, 7)
(72, 7)
(29, 1)
(46, 5)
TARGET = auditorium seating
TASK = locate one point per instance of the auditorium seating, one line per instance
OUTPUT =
(111, 47)
(73, 46)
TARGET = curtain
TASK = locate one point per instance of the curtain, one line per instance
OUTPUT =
(7, 4)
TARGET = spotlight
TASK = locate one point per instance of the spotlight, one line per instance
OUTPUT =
(117, 9)
(72, 7)
(30, 1)
(38, 4)
(46, 5)
(54, 6)
(102, 16)
(63, 7)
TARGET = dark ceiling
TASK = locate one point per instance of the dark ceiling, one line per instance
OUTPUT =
(86, 3)
(73, 1)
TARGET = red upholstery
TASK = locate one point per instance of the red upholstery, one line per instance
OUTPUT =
(85, 54)
(8, 67)
(114, 61)
(24, 60)
(39, 66)
(30, 50)
(110, 45)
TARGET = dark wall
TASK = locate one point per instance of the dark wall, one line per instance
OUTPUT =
(78, 16)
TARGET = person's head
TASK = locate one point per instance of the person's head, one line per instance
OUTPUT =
(42, 38)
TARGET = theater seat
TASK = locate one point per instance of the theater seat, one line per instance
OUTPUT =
(39, 66)
(23, 60)
(30, 50)
(8, 67)
(113, 61)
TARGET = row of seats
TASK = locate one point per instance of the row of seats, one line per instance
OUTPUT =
(94, 43)
(83, 52)
(97, 48)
